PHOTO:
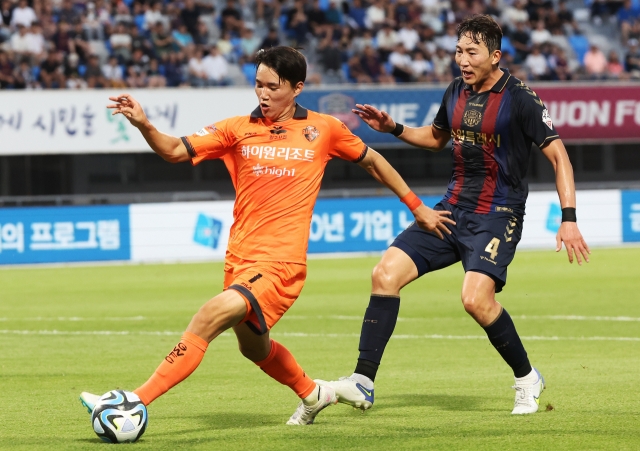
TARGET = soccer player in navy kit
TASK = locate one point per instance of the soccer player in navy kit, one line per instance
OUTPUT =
(492, 119)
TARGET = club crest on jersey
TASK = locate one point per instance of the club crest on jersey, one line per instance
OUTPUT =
(546, 118)
(310, 133)
(472, 117)
(277, 132)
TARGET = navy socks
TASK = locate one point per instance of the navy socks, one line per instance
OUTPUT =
(503, 336)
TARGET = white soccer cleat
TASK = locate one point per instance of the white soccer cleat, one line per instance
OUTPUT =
(305, 414)
(350, 391)
(528, 396)
(89, 400)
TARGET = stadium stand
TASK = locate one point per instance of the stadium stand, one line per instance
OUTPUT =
(76, 44)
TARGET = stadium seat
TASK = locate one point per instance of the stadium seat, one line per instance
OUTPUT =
(249, 71)
(82, 69)
(347, 74)
(507, 46)
(580, 46)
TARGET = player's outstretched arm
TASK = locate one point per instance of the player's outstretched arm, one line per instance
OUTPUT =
(426, 218)
(427, 137)
(170, 148)
(569, 234)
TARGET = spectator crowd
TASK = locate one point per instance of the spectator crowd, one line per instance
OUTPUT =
(75, 44)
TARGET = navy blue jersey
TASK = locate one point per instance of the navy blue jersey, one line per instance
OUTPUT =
(492, 132)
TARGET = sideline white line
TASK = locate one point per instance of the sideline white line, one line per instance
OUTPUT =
(75, 318)
(311, 335)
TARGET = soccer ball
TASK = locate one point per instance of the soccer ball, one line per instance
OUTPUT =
(119, 417)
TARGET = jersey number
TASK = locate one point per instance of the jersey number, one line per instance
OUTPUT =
(492, 248)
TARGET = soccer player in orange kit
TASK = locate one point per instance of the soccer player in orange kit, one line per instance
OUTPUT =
(276, 158)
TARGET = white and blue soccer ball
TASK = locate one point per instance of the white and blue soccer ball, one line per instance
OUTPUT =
(119, 417)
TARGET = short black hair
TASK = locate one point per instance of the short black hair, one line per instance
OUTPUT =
(288, 63)
(482, 28)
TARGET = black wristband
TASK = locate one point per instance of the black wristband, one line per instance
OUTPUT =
(569, 214)
(397, 131)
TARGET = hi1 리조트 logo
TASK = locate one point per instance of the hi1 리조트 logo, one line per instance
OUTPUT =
(208, 231)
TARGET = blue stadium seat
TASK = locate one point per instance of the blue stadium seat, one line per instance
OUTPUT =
(580, 46)
(507, 46)
(249, 71)
(35, 71)
(82, 69)
(347, 74)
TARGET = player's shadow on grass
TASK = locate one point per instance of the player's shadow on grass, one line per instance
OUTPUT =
(443, 402)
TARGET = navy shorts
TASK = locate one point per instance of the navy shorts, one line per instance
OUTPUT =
(485, 243)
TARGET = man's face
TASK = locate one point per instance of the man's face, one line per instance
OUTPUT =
(276, 97)
(474, 60)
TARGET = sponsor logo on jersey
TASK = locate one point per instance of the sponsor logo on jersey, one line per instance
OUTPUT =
(259, 170)
(310, 132)
(475, 137)
(546, 118)
(211, 128)
(202, 132)
(277, 133)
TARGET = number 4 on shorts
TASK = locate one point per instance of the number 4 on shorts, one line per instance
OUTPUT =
(492, 248)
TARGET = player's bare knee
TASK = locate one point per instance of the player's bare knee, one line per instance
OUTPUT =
(384, 280)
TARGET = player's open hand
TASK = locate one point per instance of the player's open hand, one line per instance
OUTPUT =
(573, 242)
(129, 108)
(378, 120)
(434, 221)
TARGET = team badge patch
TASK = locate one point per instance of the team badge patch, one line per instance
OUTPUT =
(546, 118)
(472, 117)
(310, 133)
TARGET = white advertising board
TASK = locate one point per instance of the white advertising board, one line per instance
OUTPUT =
(598, 212)
(54, 122)
(180, 231)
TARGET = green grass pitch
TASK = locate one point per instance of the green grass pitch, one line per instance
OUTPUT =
(441, 385)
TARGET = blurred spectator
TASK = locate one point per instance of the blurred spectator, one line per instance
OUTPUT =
(442, 65)
(216, 68)
(408, 36)
(197, 72)
(615, 69)
(362, 41)
(225, 47)
(375, 15)
(120, 41)
(565, 15)
(174, 70)
(627, 15)
(559, 64)
(401, 64)
(62, 37)
(318, 24)
(520, 41)
(6, 9)
(155, 78)
(154, 16)
(181, 36)
(190, 17)
(271, 39)
(540, 34)
(420, 67)
(356, 14)
(298, 23)
(387, 39)
(23, 14)
(113, 73)
(52, 72)
(6, 71)
(72, 72)
(357, 73)
(267, 12)
(161, 40)
(67, 13)
(93, 73)
(231, 17)
(23, 77)
(333, 13)
(139, 42)
(595, 63)
(249, 43)
(79, 43)
(632, 58)
(20, 42)
(373, 68)
(204, 36)
(536, 64)
(123, 14)
(135, 77)
(449, 40)
(515, 13)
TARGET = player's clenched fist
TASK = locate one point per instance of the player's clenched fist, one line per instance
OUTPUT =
(129, 108)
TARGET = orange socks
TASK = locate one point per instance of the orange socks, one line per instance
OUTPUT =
(177, 366)
(282, 366)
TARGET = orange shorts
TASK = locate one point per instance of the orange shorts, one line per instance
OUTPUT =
(268, 288)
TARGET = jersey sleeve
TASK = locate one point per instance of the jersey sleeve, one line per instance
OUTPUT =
(211, 142)
(441, 120)
(345, 144)
(535, 119)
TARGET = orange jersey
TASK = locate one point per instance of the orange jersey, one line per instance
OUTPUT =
(276, 169)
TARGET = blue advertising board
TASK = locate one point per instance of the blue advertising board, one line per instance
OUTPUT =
(630, 216)
(64, 234)
(413, 107)
(359, 224)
